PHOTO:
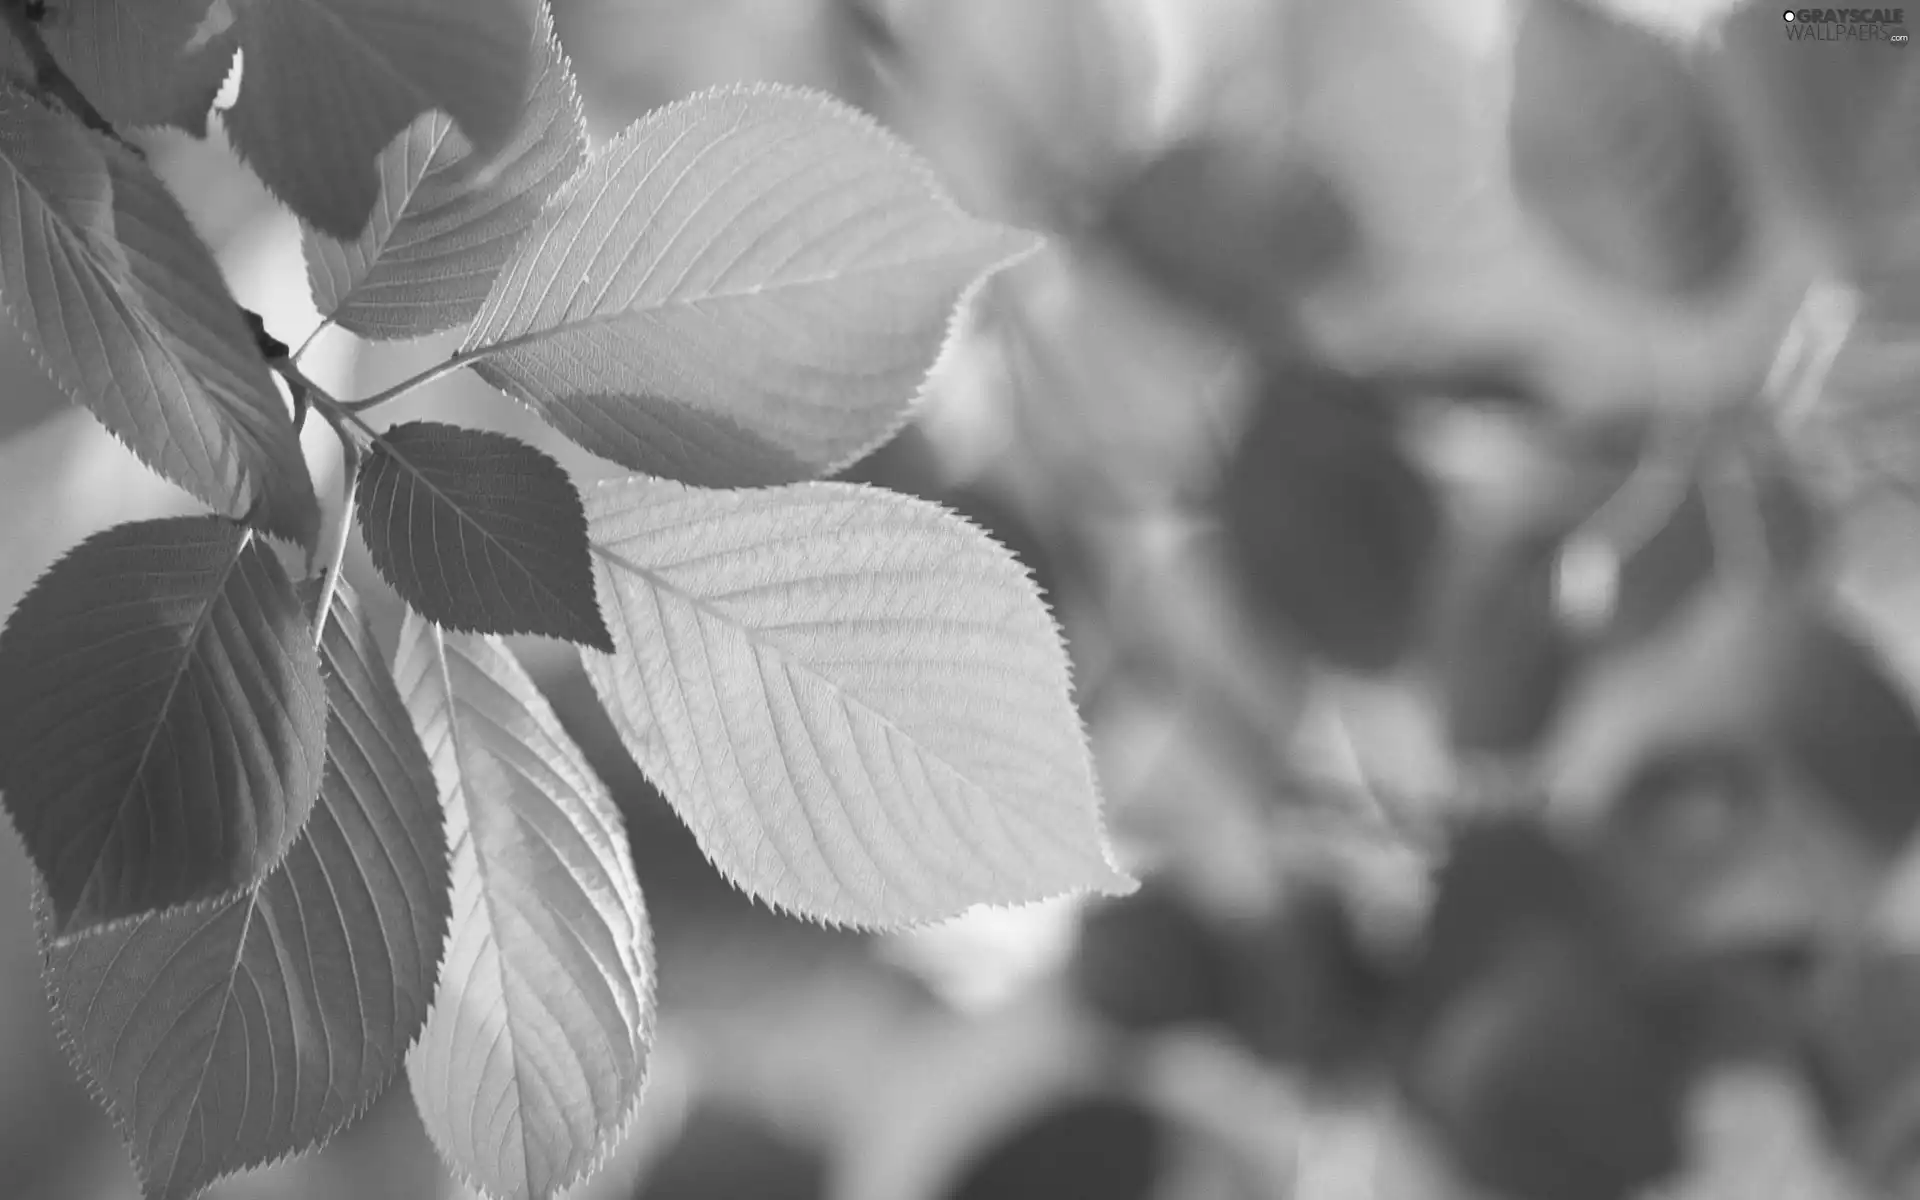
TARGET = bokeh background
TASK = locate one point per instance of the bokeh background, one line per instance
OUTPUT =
(1083, 419)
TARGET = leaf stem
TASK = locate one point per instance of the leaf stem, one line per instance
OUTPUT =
(339, 418)
(438, 371)
(325, 324)
(350, 457)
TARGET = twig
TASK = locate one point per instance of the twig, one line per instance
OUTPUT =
(439, 370)
(22, 19)
(350, 430)
(350, 458)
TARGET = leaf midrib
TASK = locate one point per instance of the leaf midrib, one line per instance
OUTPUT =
(180, 672)
(475, 354)
(481, 873)
(417, 473)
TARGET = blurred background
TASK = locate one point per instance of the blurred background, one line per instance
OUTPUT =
(1094, 411)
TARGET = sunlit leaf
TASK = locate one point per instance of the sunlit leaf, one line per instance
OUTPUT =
(447, 221)
(128, 312)
(480, 533)
(745, 288)
(162, 718)
(531, 1062)
(1620, 148)
(856, 700)
(328, 84)
(144, 62)
(227, 1037)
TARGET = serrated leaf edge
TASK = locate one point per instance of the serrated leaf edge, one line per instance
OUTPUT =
(1123, 881)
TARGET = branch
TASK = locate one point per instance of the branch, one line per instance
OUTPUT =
(50, 79)
(351, 457)
(350, 430)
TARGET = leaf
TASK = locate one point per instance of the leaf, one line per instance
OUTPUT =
(480, 533)
(1504, 658)
(144, 63)
(1848, 726)
(1332, 529)
(1618, 146)
(719, 1153)
(330, 83)
(162, 718)
(744, 288)
(225, 1038)
(1233, 232)
(447, 223)
(531, 1062)
(856, 700)
(128, 312)
(1113, 1146)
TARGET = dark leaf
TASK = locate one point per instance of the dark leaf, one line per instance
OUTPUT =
(1232, 232)
(227, 1037)
(1545, 1078)
(329, 83)
(480, 533)
(720, 1155)
(1152, 960)
(1503, 656)
(162, 718)
(1318, 998)
(1332, 530)
(1094, 1146)
(125, 307)
(1848, 727)
(1862, 1054)
(144, 62)
(1618, 146)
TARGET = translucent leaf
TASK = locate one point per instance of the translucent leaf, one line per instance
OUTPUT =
(128, 312)
(329, 84)
(1620, 148)
(162, 718)
(144, 63)
(856, 700)
(446, 222)
(531, 1062)
(223, 1038)
(745, 288)
(480, 533)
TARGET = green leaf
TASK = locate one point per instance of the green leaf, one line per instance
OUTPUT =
(329, 84)
(447, 223)
(480, 533)
(128, 312)
(144, 63)
(856, 700)
(531, 1063)
(744, 288)
(162, 718)
(228, 1037)
(1618, 146)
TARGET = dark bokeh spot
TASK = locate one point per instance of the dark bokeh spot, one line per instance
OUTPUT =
(722, 1155)
(1097, 1148)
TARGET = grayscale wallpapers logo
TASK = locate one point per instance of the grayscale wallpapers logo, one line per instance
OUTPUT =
(1887, 25)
